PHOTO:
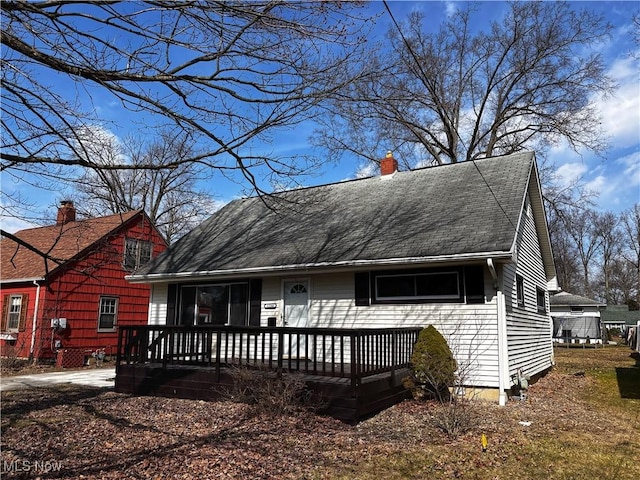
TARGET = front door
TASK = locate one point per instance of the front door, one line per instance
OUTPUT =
(296, 315)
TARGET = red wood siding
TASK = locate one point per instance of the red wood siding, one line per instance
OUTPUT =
(75, 294)
(21, 346)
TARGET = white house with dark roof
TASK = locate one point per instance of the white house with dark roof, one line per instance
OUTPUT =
(462, 246)
(576, 319)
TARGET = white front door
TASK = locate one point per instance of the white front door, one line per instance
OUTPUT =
(296, 314)
(296, 303)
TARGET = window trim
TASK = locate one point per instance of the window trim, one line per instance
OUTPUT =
(139, 248)
(520, 291)
(437, 298)
(18, 314)
(196, 312)
(22, 313)
(541, 294)
(114, 326)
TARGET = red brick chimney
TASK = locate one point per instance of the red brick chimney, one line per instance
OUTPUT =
(388, 164)
(66, 212)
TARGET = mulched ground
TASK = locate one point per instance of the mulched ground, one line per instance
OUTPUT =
(72, 432)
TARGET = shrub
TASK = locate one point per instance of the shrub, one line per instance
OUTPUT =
(433, 366)
(270, 393)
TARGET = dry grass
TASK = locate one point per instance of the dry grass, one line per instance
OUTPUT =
(582, 426)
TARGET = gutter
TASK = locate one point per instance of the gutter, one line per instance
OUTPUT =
(35, 320)
(347, 264)
(503, 347)
(23, 280)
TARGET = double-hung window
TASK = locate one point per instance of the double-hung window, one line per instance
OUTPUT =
(107, 316)
(14, 312)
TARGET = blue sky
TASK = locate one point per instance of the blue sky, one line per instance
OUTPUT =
(615, 177)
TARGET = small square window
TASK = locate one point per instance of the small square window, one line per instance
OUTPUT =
(520, 290)
(108, 313)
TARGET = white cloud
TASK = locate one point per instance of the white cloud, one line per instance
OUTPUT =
(569, 173)
(597, 185)
(99, 145)
(13, 224)
(367, 170)
(621, 112)
(450, 8)
(631, 168)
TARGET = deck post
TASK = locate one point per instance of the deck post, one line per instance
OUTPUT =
(280, 353)
(168, 341)
(355, 348)
(119, 352)
(393, 357)
(218, 341)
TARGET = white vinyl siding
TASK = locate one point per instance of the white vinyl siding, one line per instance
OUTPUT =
(471, 330)
(158, 304)
(528, 330)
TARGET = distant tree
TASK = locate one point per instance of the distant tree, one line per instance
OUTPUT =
(630, 222)
(169, 196)
(580, 227)
(460, 94)
(623, 284)
(224, 74)
(607, 230)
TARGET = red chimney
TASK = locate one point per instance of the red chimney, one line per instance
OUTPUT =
(388, 164)
(66, 212)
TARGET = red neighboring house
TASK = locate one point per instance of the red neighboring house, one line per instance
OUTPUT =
(63, 287)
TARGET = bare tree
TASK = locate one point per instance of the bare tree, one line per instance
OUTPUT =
(579, 225)
(630, 221)
(169, 196)
(606, 227)
(223, 73)
(458, 95)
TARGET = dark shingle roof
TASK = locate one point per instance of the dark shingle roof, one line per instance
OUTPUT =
(629, 317)
(59, 242)
(466, 208)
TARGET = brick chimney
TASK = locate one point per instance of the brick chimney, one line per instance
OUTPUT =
(66, 212)
(388, 164)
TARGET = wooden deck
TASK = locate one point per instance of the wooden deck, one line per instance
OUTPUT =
(353, 373)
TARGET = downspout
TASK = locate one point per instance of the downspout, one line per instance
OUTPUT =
(503, 352)
(34, 325)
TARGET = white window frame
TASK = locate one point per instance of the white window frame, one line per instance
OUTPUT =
(140, 251)
(13, 313)
(113, 302)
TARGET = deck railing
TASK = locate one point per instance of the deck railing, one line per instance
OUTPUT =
(334, 352)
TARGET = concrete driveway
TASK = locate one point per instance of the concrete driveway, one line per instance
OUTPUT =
(99, 377)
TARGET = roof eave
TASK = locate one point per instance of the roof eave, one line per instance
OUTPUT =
(22, 280)
(320, 267)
